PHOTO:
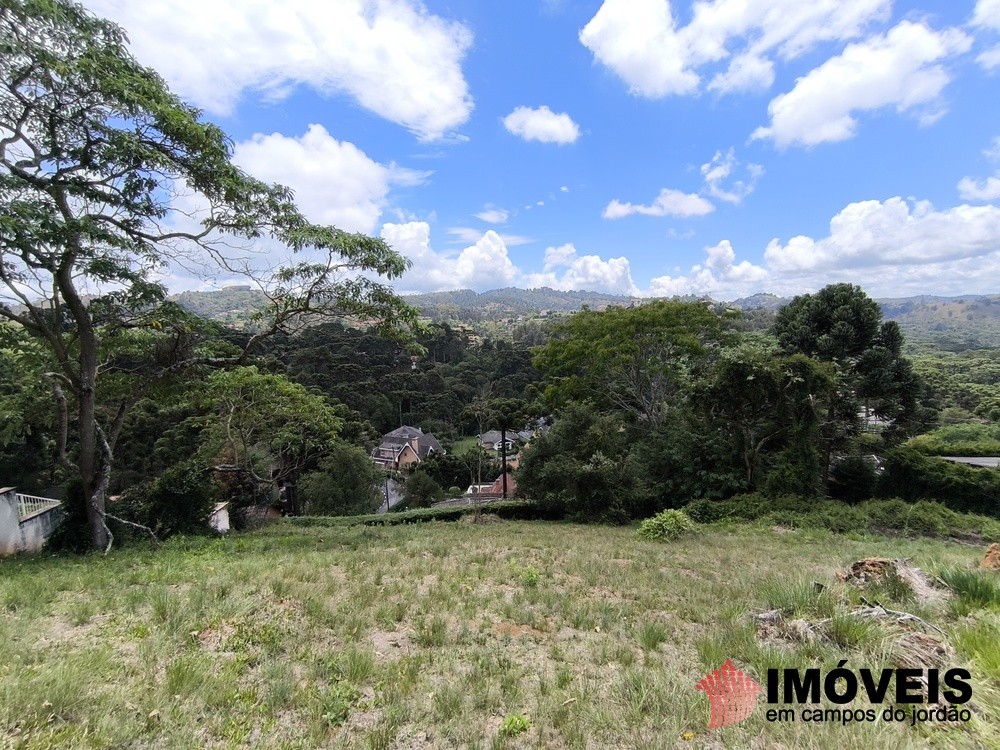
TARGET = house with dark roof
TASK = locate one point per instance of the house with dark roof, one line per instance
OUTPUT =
(491, 439)
(405, 447)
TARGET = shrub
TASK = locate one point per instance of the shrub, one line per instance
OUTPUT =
(421, 491)
(968, 439)
(667, 525)
(703, 510)
(837, 517)
(853, 478)
(513, 725)
(348, 483)
(178, 501)
(511, 510)
(926, 519)
(886, 515)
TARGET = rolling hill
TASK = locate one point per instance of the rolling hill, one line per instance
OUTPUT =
(947, 323)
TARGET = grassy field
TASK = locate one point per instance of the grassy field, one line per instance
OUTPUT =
(508, 635)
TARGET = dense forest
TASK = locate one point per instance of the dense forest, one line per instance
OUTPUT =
(648, 406)
(143, 411)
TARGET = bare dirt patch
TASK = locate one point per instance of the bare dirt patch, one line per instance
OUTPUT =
(391, 645)
(880, 571)
(518, 631)
(992, 559)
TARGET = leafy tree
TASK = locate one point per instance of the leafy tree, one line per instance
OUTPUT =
(962, 385)
(267, 427)
(841, 325)
(94, 152)
(25, 411)
(451, 469)
(760, 398)
(420, 490)
(635, 360)
(178, 501)
(581, 467)
(686, 457)
(347, 483)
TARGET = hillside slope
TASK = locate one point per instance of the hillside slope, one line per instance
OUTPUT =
(948, 323)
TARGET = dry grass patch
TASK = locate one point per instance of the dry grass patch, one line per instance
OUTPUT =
(436, 635)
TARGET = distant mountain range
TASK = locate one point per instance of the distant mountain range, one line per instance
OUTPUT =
(950, 323)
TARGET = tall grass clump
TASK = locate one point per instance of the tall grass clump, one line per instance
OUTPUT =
(976, 588)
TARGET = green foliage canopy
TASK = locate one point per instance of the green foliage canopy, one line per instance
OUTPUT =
(94, 152)
(268, 427)
(632, 359)
(841, 325)
(346, 483)
(581, 467)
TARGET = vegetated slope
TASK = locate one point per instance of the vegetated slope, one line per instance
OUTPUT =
(947, 323)
(231, 306)
(465, 305)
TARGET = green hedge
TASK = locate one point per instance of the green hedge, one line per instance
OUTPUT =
(509, 509)
(893, 516)
(913, 476)
(959, 440)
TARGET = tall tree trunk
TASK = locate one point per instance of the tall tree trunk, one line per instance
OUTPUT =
(91, 473)
(92, 459)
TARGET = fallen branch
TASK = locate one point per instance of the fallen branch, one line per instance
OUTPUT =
(877, 609)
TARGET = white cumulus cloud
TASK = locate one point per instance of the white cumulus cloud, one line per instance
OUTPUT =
(493, 215)
(637, 39)
(720, 276)
(891, 233)
(719, 177)
(486, 264)
(989, 59)
(565, 270)
(972, 189)
(542, 124)
(642, 42)
(979, 190)
(898, 69)
(482, 265)
(891, 248)
(667, 203)
(748, 72)
(334, 181)
(987, 14)
(393, 57)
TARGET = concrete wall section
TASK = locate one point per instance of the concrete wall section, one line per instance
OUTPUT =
(23, 536)
(10, 531)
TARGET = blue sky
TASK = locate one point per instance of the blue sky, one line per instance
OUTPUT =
(644, 147)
